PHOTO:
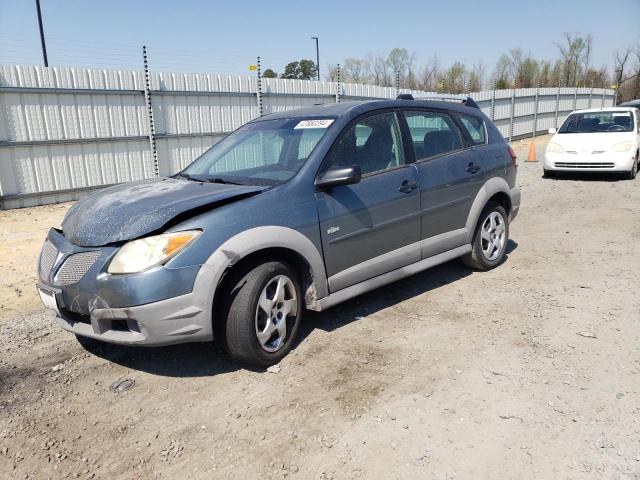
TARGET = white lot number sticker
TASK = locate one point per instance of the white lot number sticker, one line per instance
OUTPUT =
(314, 124)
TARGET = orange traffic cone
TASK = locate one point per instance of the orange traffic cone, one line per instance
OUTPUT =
(532, 152)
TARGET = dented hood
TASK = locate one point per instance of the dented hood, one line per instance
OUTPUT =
(132, 210)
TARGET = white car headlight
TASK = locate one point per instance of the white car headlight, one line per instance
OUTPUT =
(621, 147)
(142, 254)
(554, 148)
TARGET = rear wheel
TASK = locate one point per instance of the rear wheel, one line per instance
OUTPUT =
(490, 239)
(263, 311)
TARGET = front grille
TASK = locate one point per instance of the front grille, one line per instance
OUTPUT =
(47, 259)
(584, 165)
(75, 267)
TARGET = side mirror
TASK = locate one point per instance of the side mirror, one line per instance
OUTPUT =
(339, 175)
(552, 131)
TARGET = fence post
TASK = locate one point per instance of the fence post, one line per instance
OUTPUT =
(397, 83)
(590, 94)
(513, 102)
(535, 110)
(557, 106)
(259, 89)
(575, 97)
(493, 102)
(339, 87)
(147, 97)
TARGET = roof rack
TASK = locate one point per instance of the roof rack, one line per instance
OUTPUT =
(467, 101)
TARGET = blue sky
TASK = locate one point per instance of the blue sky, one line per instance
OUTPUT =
(225, 37)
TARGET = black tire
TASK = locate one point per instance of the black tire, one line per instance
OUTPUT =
(548, 173)
(477, 258)
(240, 313)
(631, 174)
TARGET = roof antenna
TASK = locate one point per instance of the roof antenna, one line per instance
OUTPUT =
(404, 96)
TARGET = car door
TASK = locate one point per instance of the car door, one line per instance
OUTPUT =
(437, 144)
(371, 227)
(468, 168)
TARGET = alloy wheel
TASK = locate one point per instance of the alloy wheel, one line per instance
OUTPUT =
(277, 309)
(493, 236)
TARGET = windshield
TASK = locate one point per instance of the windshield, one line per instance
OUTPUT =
(268, 152)
(598, 122)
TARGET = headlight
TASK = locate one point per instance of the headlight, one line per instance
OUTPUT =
(139, 255)
(621, 147)
(554, 148)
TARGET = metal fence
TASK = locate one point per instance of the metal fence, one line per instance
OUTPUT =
(64, 131)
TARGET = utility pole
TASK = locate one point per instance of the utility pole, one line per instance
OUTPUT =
(317, 57)
(44, 47)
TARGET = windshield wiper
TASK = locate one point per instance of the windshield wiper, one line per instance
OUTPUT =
(188, 177)
(222, 180)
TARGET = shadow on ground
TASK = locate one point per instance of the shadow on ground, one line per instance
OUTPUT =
(206, 359)
(587, 176)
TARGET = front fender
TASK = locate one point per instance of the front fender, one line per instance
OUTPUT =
(248, 242)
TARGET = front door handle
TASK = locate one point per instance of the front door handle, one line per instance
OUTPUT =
(407, 186)
(473, 168)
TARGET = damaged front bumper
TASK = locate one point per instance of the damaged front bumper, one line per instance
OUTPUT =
(170, 321)
(156, 307)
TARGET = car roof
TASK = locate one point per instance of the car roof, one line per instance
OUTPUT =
(608, 109)
(631, 103)
(354, 108)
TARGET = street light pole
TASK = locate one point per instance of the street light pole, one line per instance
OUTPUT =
(317, 57)
(44, 47)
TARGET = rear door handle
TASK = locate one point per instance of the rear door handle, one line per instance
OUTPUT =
(473, 168)
(407, 186)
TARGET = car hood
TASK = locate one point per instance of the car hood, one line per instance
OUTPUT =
(589, 142)
(132, 210)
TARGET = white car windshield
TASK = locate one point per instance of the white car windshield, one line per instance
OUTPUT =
(268, 152)
(603, 121)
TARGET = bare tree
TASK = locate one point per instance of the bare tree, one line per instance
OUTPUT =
(476, 77)
(379, 70)
(621, 60)
(355, 70)
(627, 74)
(588, 46)
(572, 54)
(501, 75)
(429, 75)
(332, 72)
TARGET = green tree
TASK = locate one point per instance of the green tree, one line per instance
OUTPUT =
(302, 70)
(268, 73)
(454, 78)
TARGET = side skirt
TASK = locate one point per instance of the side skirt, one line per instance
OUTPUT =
(389, 277)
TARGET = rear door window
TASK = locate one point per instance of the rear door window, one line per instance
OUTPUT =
(432, 133)
(475, 128)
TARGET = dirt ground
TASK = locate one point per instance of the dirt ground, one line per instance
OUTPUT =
(530, 371)
(22, 233)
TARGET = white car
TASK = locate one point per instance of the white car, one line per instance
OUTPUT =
(605, 139)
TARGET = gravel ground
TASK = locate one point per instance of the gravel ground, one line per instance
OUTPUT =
(529, 371)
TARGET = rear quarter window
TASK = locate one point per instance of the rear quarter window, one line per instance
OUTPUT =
(475, 127)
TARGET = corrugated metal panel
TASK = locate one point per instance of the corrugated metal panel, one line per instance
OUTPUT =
(69, 129)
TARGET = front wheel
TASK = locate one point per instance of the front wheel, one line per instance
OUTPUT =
(548, 173)
(631, 174)
(489, 240)
(263, 312)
